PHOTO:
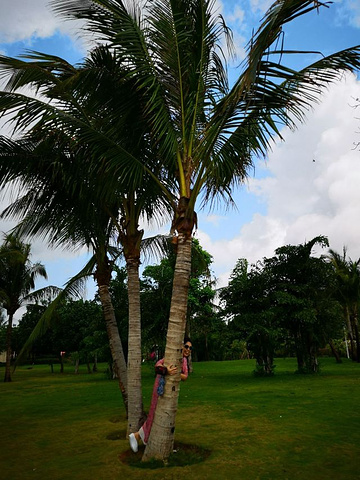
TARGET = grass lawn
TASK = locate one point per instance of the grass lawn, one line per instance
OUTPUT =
(65, 426)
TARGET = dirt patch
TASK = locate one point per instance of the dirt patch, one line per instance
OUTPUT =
(184, 454)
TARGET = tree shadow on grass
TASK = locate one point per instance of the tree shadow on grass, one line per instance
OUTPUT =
(183, 455)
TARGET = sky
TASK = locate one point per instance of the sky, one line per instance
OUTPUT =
(308, 184)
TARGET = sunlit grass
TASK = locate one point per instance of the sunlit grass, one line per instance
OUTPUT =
(66, 426)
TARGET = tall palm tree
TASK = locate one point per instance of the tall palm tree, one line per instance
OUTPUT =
(348, 293)
(17, 279)
(58, 205)
(206, 132)
(78, 182)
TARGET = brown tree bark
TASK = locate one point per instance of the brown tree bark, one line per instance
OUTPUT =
(161, 439)
(116, 349)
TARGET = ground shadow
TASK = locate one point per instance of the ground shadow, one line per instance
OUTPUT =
(183, 455)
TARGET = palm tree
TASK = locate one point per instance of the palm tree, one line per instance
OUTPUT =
(348, 293)
(204, 133)
(74, 180)
(58, 204)
(207, 134)
(17, 279)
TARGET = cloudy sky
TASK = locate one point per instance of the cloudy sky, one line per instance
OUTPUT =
(309, 183)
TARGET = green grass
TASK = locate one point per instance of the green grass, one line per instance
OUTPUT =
(234, 425)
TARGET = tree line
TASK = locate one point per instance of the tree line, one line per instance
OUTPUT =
(146, 127)
(293, 304)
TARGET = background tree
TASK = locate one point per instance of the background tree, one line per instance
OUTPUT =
(347, 292)
(78, 329)
(303, 289)
(202, 324)
(284, 300)
(42, 347)
(248, 306)
(156, 286)
(17, 278)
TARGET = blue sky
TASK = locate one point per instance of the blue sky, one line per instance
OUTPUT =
(290, 198)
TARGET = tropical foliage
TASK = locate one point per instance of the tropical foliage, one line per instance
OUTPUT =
(286, 305)
(287, 299)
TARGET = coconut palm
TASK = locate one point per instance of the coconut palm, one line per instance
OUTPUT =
(58, 208)
(17, 278)
(74, 180)
(82, 220)
(207, 133)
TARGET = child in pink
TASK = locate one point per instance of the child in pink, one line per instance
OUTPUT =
(145, 430)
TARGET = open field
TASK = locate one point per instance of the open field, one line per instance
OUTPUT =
(70, 426)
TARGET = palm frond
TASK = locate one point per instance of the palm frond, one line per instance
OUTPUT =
(43, 324)
(280, 13)
(43, 294)
(74, 288)
(156, 247)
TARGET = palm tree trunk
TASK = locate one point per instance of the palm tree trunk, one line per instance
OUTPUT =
(116, 349)
(7, 377)
(350, 333)
(161, 439)
(135, 408)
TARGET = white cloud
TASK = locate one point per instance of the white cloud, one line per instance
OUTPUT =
(304, 198)
(26, 20)
(214, 219)
(237, 16)
(23, 19)
(350, 12)
(260, 5)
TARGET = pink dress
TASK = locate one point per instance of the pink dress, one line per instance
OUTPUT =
(146, 428)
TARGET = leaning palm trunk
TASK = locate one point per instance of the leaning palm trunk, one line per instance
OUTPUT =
(7, 377)
(135, 407)
(116, 349)
(161, 439)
